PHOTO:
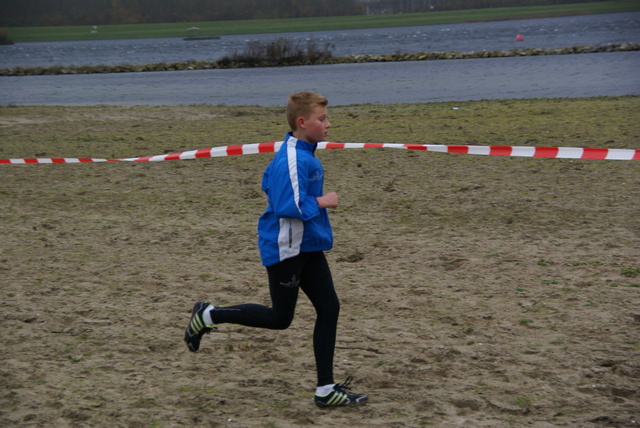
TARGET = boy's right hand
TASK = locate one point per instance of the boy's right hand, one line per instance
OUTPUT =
(329, 200)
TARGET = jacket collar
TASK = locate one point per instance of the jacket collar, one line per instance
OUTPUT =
(301, 144)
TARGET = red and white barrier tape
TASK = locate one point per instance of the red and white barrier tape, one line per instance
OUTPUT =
(247, 149)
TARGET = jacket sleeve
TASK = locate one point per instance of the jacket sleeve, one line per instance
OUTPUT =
(288, 189)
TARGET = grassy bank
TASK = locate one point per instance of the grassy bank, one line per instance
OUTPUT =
(605, 122)
(223, 28)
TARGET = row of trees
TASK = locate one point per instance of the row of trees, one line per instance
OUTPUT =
(414, 6)
(27, 13)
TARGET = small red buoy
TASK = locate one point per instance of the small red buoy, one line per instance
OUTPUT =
(519, 38)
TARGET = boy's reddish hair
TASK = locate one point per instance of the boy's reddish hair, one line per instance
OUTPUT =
(301, 104)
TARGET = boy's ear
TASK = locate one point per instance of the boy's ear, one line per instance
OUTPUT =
(300, 122)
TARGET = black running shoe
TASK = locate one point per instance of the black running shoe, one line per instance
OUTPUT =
(340, 397)
(196, 327)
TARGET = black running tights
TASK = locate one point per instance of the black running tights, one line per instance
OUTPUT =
(309, 272)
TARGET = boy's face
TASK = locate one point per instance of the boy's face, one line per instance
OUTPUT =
(314, 128)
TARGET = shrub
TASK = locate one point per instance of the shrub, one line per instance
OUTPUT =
(5, 39)
(280, 52)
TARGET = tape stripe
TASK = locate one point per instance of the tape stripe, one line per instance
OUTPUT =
(546, 152)
(246, 149)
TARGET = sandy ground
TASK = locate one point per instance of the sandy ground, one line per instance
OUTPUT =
(476, 291)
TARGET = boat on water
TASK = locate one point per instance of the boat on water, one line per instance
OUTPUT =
(193, 35)
(201, 38)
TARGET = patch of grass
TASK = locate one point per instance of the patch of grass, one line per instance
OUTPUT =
(587, 263)
(570, 411)
(524, 402)
(615, 284)
(205, 276)
(629, 272)
(199, 389)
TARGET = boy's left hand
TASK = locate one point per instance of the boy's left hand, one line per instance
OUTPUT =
(329, 200)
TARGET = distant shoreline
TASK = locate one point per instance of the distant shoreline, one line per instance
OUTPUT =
(266, 26)
(349, 59)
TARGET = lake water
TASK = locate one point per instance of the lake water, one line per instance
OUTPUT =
(552, 76)
(540, 33)
(582, 75)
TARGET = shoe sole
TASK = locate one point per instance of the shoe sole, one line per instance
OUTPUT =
(322, 405)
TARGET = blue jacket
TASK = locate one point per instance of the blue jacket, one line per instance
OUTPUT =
(293, 222)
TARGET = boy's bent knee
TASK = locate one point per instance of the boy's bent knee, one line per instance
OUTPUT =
(281, 323)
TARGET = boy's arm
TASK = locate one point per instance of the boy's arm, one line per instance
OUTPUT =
(288, 194)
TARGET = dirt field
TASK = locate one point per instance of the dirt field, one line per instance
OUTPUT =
(476, 291)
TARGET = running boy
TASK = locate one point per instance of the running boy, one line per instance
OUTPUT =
(293, 234)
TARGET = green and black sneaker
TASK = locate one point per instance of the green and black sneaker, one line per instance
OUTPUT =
(340, 397)
(196, 327)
